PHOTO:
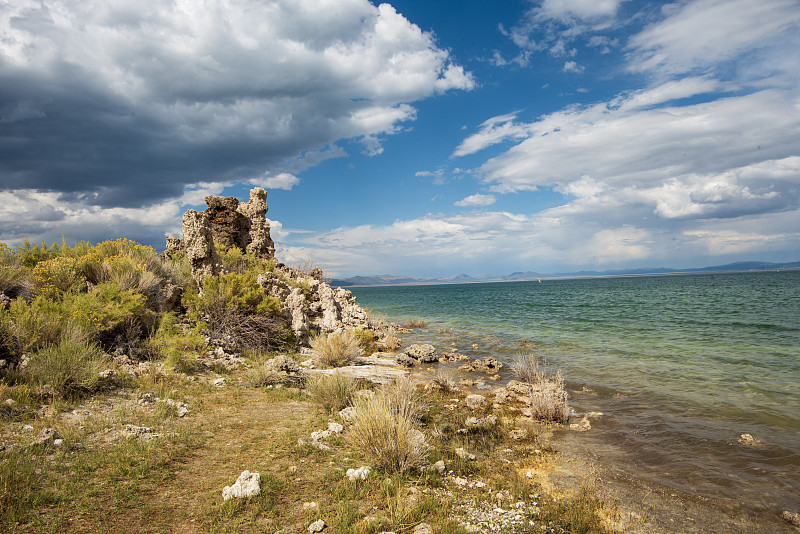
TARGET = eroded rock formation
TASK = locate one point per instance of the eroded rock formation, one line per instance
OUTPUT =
(309, 304)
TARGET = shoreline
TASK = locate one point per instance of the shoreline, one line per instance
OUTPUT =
(641, 504)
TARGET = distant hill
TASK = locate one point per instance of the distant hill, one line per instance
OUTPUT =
(398, 280)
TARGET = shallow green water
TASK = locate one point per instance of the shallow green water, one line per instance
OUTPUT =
(682, 365)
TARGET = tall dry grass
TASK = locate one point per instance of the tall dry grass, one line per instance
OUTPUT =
(548, 395)
(385, 430)
(333, 392)
(336, 349)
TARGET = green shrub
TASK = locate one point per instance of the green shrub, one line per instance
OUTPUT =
(56, 276)
(367, 339)
(104, 310)
(29, 255)
(40, 324)
(179, 349)
(99, 316)
(385, 430)
(238, 291)
(333, 392)
(69, 369)
(335, 349)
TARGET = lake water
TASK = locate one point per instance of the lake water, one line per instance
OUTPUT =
(680, 365)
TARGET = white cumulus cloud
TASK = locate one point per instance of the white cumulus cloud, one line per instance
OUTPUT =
(476, 200)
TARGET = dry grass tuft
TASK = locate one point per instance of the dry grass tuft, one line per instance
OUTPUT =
(444, 382)
(416, 323)
(548, 394)
(390, 342)
(336, 349)
(385, 430)
(333, 392)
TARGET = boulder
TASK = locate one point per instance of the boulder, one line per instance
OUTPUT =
(482, 422)
(247, 485)
(283, 364)
(358, 474)
(404, 360)
(317, 526)
(424, 353)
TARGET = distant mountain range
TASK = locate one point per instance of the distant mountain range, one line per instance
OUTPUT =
(400, 280)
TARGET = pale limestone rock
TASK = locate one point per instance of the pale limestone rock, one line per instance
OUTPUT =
(296, 304)
(358, 474)
(199, 245)
(260, 243)
(482, 422)
(317, 526)
(247, 485)
(336, 428)
(348, 415)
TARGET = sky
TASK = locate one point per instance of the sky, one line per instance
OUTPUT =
(412, 137)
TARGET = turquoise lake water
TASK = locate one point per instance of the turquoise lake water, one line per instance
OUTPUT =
(680, 365)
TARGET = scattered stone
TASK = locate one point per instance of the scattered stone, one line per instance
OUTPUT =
(282, 364)
(519, 388)
(58, 443)
(404, 360)
(313, 443)
(292, 469)
(10, 403)
(424, 353)
(791, 517)
(422, 528)
(317, 526)
(132, 429)
(336, 428)
(310, 506)
(455, 356)
(358, 474)
(486, 365)
(482, 422)
(438, 467)
(476, 401)
(46, 437)
(463, 454)
(583, 426)
(219, 382)
(460, 481)
(181, 408)
(107, 374)
(518, 433)
(348, 415)
(27, 428)
(749, 441)
(247, 485)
